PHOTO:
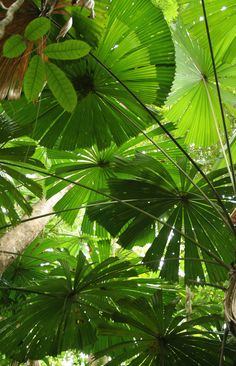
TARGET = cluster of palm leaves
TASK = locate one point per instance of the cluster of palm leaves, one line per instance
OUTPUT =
(134, 120)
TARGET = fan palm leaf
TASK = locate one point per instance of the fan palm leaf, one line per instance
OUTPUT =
(92, 168)
(193, 103)
(190, 228)
(157, 335)
(221, 19)
(64, 311)
(10, 130)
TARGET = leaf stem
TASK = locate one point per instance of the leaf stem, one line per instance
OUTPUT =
(20, 289)
(219, 98)
(218, 133)
(182, 259)
(208, 284)
(226, 332)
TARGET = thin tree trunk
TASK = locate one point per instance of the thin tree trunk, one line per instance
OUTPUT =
(188, 303)
(233, 216)
(17, 239)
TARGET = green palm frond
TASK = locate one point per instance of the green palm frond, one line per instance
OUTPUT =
(89, 167)
(133, 266)
(193, 103)
(10, 130)
(92, 168)
(14, 179)
(62, 313)
(141, 57)
(190, 228)
(155, 334)
(221, 18)
(39, 258)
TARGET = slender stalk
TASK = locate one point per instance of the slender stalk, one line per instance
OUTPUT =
(153, 217)
(182, 259)
(21, 289)
(26, 256)
(218, 133)
(56, 213)
(208, 284)
(226, 332)
(219, 95)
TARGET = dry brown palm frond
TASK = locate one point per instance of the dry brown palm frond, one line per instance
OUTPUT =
(12, 70)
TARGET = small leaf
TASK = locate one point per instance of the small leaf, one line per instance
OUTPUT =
(14, 46)
(37, 28)
(61, 87)
(67, 50)
(34, 78)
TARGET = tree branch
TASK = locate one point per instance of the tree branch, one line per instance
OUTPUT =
(9, 16)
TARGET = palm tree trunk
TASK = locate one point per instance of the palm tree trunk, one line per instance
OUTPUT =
(17, 239)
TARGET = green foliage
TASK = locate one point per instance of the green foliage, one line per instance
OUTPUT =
(35, 78)
(156, 334)
(68, 50)
(11, 176)
(151, 188)
(78, 293)
(37, 28)
(14, 46)
(194, 91)
(147, 195)
(169, 8)
(61, 87)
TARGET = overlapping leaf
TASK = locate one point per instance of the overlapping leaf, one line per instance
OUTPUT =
(91, 168)
(190, 226)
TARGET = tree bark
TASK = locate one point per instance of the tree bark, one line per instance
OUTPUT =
(233, 216)
(17, 239)
(9, 16)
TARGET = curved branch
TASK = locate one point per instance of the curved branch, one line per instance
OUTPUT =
(9, 16)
